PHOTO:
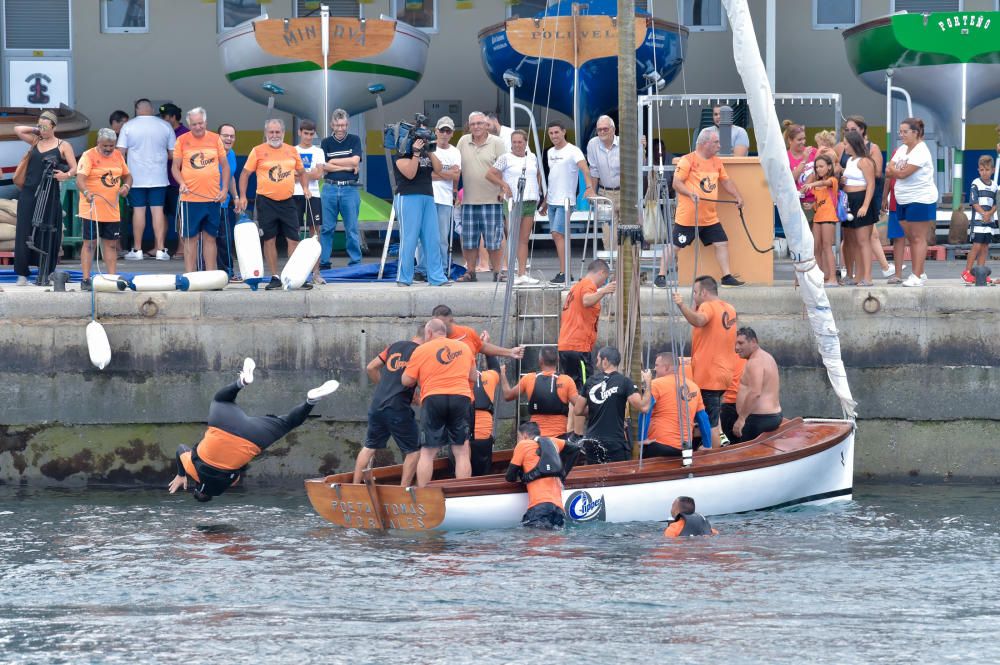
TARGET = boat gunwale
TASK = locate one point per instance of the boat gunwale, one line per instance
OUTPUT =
(401, 28)
(867, 25)
(669, 26)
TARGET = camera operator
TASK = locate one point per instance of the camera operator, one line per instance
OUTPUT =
(413, 166)
(49, 159)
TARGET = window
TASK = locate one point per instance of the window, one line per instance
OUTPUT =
(926, 6)
(835, 14)
(23, 30)
(234, 12)
(124, 16)
(418, 13)
(349, 8)
(703, 15)
(531, 8)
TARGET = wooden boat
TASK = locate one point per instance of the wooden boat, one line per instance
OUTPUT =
(73, 127)
(286, 55)
(802, 462)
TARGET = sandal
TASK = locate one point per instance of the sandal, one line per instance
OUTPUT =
(864, 283)
(468, 277)
(894, 280)
(500, 277)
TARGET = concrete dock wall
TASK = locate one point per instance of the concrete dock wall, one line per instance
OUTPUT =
(922, 364)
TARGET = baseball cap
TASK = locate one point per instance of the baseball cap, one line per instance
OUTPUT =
(445, 122)
(170, 109)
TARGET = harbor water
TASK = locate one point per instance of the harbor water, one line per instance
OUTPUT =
(901, 574)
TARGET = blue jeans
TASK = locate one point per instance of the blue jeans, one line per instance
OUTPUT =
(444, 213)
(344, 200)
(418, 220)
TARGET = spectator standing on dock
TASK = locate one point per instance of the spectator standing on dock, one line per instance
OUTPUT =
(894, 231)
(444, 370)
(541, 463)
(603, 400)
(277, 165)
(198, 156)
(549, 395)
(912, 165)
(758, 402)
(444, 185)
(171, 113)
(498, 129)
(856, 123)
(312, 161)
(101, 177)
(676, 406)
(341, 193)
(604, 159)
(859, 185)
(117, 120)
(801, 156)
(698, 180)
(824, 185)
(506, 172)
(147, 142)
(984, 230)
(418, 220)
(713, 340)
(227, 227)
(740, 141)
(566, 162)
(482, 212)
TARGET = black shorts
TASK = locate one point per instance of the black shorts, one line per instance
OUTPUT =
(854, 202)
(445, 420)
(399, 423)
(277, 217)
(713, 404)
(316, 223)
(105, 230)
(656, 449)
(727, 418)
(600, 452)
(577, 365)
(757, 424)
(684, 235)
(982, 238)
(482, 456)
(544, 516)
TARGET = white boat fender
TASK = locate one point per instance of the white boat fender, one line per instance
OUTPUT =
(300, 264)
(98, 345)
(205, 280)
(246, 237)
(151, 283)
(105, 283)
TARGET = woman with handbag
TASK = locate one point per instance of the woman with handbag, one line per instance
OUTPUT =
(48, 155)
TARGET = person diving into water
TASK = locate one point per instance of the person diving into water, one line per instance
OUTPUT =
(233, 438)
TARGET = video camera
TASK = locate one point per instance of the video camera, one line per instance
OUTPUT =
(400, 136)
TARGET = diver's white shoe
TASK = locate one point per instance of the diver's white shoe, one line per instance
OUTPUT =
(246, 375)
(316, 394)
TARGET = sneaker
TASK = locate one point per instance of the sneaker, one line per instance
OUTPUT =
(322, 391)
(660, 282)
(21, 281)
(525, 280)
(162, 255)
(967, 277)
(246, 375)
(913, 280)
(923, 278)
(560, 278)
(274, 284)
(86, 285)
(731, 282)
(134, 255)
(891, 270)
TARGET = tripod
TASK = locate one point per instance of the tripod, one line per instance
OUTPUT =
(43, 228)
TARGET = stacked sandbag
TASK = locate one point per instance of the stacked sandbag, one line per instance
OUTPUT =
(8, 222)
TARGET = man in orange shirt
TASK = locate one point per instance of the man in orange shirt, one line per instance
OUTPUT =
(728, 413)
(101, 176)
(541, 463)
(234, 439)
(549, 395)
(199, 156)
(445, 370)
(686, 521)
(713, 343)
(674, 412)
(483, 392)
(479, 343)
(697, 180)
(276, 164)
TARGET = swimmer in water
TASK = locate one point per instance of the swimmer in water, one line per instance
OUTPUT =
(686, 521)
(233, 438)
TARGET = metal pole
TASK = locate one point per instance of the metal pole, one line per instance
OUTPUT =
(771, 20)
(324, 13)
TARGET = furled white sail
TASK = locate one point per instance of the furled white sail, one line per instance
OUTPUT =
(771, 147)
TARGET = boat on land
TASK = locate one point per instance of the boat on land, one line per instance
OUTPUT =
(73, 127)
(802, 462)
(283, 59)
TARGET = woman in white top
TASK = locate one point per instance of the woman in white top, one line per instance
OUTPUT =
(858, 183)
(912, 165)
(505, 173)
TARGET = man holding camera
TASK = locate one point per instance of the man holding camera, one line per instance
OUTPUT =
(414, 166)
(482, 212)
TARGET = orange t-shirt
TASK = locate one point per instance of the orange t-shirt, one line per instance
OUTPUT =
(484, 419)
(730, 396)
(702, 177)
(275, 169)
(441, 366)
(825, 207)
(543, 490)
(467, 335)
(579, 323)
(664, 424)
(550, 424)
(104, 176)
(199, 160)
(713, 346)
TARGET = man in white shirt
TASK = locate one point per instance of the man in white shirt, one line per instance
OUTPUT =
(603, 156)
(497, 129)
(147, 142)
(444, 192)
(739, 140)
(566, 162)
(312, 161)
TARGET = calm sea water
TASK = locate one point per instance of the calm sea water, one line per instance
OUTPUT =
(901, 575)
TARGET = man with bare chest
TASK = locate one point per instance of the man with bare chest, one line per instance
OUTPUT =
(757, 402)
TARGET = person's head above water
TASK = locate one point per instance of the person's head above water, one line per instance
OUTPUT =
(683, 505)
